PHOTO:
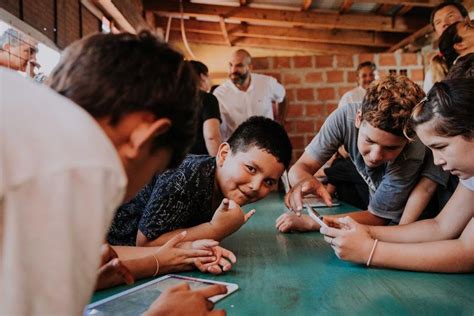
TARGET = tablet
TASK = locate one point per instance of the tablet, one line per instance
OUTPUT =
(137, 300)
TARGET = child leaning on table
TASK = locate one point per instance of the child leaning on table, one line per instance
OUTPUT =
(444, 122)
(246, 169)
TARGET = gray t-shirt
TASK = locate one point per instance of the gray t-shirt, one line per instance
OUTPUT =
(389, 184)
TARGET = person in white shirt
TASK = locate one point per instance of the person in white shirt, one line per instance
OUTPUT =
(246, 94)
(365, 76)
(444, 121)
(18, 51)
(68, 159)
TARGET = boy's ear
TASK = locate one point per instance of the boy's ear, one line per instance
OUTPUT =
(358, 119)
(222, 152)
(143, 133)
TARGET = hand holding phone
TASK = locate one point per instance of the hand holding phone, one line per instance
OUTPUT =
(315, 215)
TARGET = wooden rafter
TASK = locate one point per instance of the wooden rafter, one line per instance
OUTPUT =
(224, 31)
(280, 44)
(281, 18)
(307, 4)
(414, 3)
(345, 6)
(410, 39)
(355, 37)
(404, 9)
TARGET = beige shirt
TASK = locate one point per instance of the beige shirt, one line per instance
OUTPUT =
(60, 182)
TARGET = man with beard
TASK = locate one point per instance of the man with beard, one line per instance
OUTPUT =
(246, 94)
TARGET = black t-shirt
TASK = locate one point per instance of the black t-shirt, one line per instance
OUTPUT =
(177, 198)
(208, 110)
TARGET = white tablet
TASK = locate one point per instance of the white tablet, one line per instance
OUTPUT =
(137, 300)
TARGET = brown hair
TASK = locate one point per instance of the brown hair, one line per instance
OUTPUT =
(112, 75)
(451, 104)
(389, 102)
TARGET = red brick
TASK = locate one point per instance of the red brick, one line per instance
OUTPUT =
(342, 90)
(335, 76)
(303, 61)
(387, 60)
(260, 63)
(294, 110)
(352, 76)
(409, 59)
(344, 61)
(291, 78)
(366, 57)
(306, 94)
(298, 142)
(326, 94)
(304, 126)
(313, 110)
(289, 126)
(331, 107)
(290, 95)
(313, 77)
(417, 74)
(275, 75)
(281, 62)
(323, 61)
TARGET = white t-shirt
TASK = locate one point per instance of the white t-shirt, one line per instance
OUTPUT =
(428, 82)
(468, 183)
(236, 106)
(60, 182)
(353, 96)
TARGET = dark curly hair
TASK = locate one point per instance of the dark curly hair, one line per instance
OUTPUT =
(112, 75)
(265, 134)
(389, 102)
(464, 68)
(450, 103)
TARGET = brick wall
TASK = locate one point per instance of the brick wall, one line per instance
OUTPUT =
(62, 21)
(314, 85)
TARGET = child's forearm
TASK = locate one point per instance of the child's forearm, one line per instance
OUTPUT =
(421, 231)
(418, 200)
(201, 231)
(439, 256)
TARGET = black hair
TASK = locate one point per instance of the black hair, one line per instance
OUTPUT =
(451, 104)
(366, 64)
(463, 68)
(448, 39)
(462, 9)
(265, 134)
(199, 67)
(112, 75)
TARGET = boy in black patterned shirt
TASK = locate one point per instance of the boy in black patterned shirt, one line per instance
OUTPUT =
(246, 169)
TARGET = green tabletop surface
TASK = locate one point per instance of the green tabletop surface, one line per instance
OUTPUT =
(299, 274)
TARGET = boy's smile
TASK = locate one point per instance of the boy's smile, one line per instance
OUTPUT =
(246, 177)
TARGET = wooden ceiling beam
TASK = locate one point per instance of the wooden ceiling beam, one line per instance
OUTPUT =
(404, 9)
(414, 3)
(345, 6)
(315, 19)
(362, 38)
(410, 39)
(271, 43)
(223, 30)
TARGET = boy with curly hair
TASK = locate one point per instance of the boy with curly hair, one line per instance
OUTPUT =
(372, 134)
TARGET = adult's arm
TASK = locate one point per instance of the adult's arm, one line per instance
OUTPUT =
(212, 135)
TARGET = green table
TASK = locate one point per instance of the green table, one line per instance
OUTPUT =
(299, 274)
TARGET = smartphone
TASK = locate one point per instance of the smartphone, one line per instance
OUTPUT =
(315, 215)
